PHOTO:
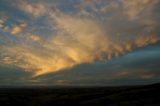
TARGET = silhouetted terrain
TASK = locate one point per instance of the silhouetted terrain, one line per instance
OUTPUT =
(146, 95)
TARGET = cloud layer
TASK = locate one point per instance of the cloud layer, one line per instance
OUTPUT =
(90, 32)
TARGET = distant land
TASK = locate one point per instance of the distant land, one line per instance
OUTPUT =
(141, 95)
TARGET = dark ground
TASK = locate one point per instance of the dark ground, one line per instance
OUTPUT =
(146, 95)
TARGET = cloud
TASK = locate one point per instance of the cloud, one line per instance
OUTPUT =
(136, 8)
(34, 9)
(143, 41)
(15, 29)
(147, 75)
(3, 19)
(8, 60)
(1, 23)
(62, 82)
(18, 28)
(79, 39)
(35, 38)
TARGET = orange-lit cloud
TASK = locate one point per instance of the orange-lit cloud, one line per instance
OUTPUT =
(145, 40)
(35, 38)
(79, 40)
(62, 82)
(36, 9)
(18, 28)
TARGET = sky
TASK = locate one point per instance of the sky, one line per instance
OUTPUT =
(79, 42)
